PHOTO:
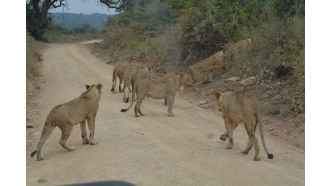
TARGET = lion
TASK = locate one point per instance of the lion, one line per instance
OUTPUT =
(161, 89)
(133, 75)
(205, 65)
(241, 109)
(69, 114)
(234, 49)
(118, 72)
(169, 75)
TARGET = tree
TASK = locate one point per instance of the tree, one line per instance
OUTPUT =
(37, 13)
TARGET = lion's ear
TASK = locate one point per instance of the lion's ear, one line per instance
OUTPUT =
(99, 86)
(217, 94)
(87, 86)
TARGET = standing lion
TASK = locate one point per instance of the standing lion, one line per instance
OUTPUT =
(241, 109)
(119, 72)
(161, 89)
(69, 114)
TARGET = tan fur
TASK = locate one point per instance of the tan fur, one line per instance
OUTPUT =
(241, 109)
(234, 49)
(133, 75)
(206, 65)
(170, 75)
(161, 89)
(119, 72)
(69, 114)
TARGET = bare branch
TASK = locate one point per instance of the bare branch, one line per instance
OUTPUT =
(51, 3)
(112, 3)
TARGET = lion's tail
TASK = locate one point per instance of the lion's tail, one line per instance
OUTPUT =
(133, 98)
(46, 131)
(125, 110)
(259, 121)
(33, 153)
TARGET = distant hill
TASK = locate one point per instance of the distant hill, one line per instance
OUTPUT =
(71, 20)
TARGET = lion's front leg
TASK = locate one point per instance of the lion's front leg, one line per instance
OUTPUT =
(84, 132)
(91, 126)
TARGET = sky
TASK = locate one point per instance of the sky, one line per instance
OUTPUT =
(85, 7)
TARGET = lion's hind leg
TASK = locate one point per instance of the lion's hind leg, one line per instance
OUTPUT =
(253, 141)
(114, 82)
(136, 110)
(47, 130)
(139, 109)
(230, 126)
(250, 142)
(66, 131)
(170, 101)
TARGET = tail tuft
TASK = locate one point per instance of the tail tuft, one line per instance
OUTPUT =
(123, 110)
(270, 156)
(112, 89)
(33, 153)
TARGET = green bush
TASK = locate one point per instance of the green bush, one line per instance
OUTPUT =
(174, 34)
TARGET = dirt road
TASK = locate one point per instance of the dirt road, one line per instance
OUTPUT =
(150, 150)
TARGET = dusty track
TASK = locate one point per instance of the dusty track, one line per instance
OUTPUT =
(150, 150)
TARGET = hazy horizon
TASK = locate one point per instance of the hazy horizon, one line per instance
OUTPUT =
(84, 7)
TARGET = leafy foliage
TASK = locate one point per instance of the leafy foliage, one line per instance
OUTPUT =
(172, 34)
(57, 33)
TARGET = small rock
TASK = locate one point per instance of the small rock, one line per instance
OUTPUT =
(202, 102)
(271, 129)
(249, 81)
(232, 79)
(29, 125)
(41, 180)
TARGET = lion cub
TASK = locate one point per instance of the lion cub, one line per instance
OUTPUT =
(241, 109)
(66, 115)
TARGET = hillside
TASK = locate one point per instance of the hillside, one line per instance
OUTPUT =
(72, 20)
(172, 35)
